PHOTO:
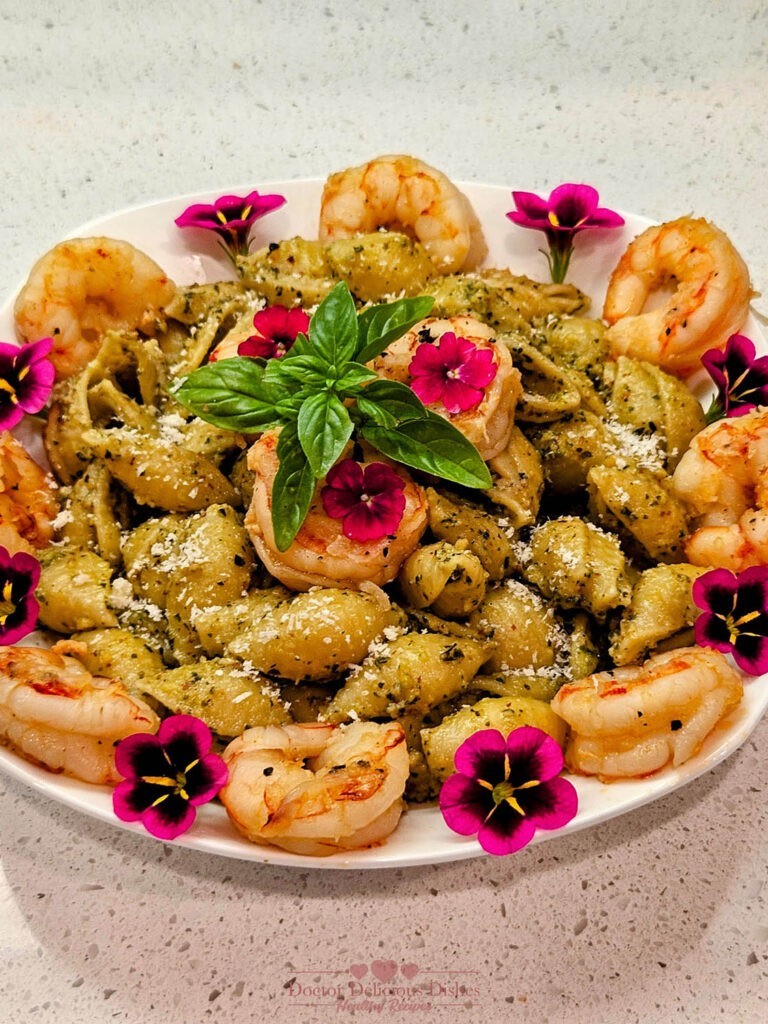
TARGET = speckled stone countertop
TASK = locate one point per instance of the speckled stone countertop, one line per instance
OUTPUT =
(655, 917)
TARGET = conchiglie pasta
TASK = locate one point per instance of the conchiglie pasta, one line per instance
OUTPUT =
(448, 578)
(408, 676)
(661, 606)
(578, 565)
(74, 589)
(453, 519)
(316, 635)
(228, 696)
(518, 480)
(646, 398)
(642, 507)
(521, 626)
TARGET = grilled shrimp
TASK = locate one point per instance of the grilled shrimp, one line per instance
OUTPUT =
(54, 712)
(321, 555)
(27, 503)
(723, 480)
(404, 194)
(633, 721)
(710, 301)
(87, 286)
(488, 425)
(315, 788)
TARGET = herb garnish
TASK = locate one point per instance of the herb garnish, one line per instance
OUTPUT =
(321, 394)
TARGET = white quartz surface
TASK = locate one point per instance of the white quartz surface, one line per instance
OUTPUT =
(656, 917)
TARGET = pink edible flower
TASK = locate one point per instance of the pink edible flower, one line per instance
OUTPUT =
(734, 616)
(370, 499)
(26, 380)
(276, 330)
(167, 776)
(504, 789)
(231, 217)
(569, 209)
(741, 378)
(19, 576)
(454, 371)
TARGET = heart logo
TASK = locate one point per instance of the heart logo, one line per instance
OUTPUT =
(409, 971)
(384, 970)
(358, 970)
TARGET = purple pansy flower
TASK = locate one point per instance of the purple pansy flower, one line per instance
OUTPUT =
(167, 776)
(505, 789)
(276, 330)
(26, 380)
(370, 500)
(740, 376)
(231, 217)
(734, 616)
(569, 209)
(19, 575)
(454, 372)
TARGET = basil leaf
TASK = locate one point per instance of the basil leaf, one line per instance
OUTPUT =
(333, 327)
(397, 399)
(324, 427)
(381, 325)
(301, 346)
(307, 370)
(376, 413)
(232, 394)
(352, 379)
(434, 446)
(292, 489)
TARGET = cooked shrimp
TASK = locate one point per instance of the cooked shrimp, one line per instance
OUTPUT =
(487, 425)
(54, 712)
(315, 788)
(631, 722)
(404, 194)
(723, 481)
(321, 555)
(87, 286)
(709, 303)
(27, 504)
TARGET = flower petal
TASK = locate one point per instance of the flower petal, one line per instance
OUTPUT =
(140, 754)
(505, 832)
(750, 652)
(715, 591)
(464, 804)
(531, 211)
(533, 754)
(206, 779)
(185, 738)
(132, 797)
(572, 204)
(551, 805)
(481, 756)
(170, 818)
(712, 631)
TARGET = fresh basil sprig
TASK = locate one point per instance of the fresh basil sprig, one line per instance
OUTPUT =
(320, 394)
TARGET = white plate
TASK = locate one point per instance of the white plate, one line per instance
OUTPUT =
(422, 837)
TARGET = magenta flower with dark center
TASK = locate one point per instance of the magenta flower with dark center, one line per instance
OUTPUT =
(369, 499)
(569, 209)
(19, 576)
(505, 789)
(454, 372)
(276, 330)
(734, 616)
(26, 380)
(231, 217)
(741, 378)
(167, 776)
